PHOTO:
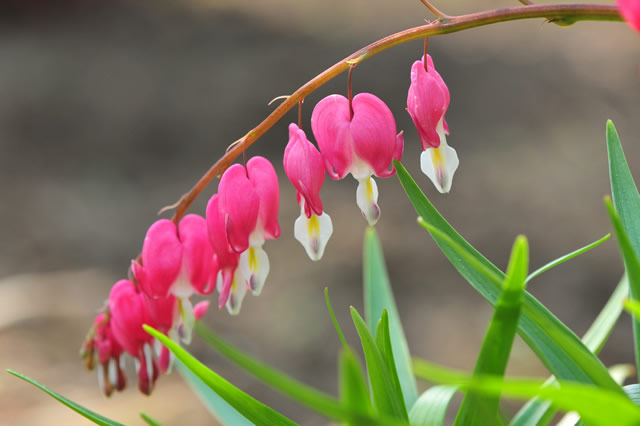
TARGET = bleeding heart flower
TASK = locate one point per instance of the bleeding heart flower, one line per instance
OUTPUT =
(305, 168)
(427, 103)
(105, 347)
(128, 314)
(362, 143)
(630, 11)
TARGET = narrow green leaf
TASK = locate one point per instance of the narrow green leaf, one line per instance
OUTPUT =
(336, 324)
(431, 407)
(353, 386)
(383, 341)
(317, 400)
(538, 412)
(85, 412)
(477, 408)
(387, 401)
(567, 257)
(254, 410)
(149, 420)
(631, 266)
(556, 346)
(378, 296)
(218, 407)
(597, 406)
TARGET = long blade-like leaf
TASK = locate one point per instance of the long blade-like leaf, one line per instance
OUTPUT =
(378, 296)
(566, 257)
(353, 386)
(597, 406)
(85, 412)
(538, 412)
(150, 420)
(254, 410)
(626, 200)
(218, 407)
(383, 341)
(477, 408)
(556, 346)
(386, 400)
(431, 407)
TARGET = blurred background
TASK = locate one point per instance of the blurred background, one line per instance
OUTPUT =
(110, 110)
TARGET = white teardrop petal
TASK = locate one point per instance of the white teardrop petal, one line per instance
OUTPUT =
(313, 233)
(367, 200)
(237, 293)
(440, 164)
(254, 266)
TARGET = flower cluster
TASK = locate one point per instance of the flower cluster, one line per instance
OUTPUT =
(223, 251)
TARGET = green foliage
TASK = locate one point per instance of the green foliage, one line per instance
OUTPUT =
(556, 346)
(596, 405)
(149, 420)
(353, 386)
(387, 400)
(84, 412)
(378, 296)
(254, 410)
(477, 408)
(431, 407)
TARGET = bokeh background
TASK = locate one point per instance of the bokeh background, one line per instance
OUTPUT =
(110, 110)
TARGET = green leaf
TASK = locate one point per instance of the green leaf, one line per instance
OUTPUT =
(597, 406)
(86, 413)
(556, 346)
(631, 265)
(336, 324)
(254, 410)
(477, 408)
(218, 407)
(378, 296)
(633, 307)
(567, 257)
(538, 412)
(386, 400)
(431, 407)
(383, 341)
(149, 420)
(318, 401)
(353, 386)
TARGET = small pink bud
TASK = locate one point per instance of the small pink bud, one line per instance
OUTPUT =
(630, 11)
(427, 103)
(304, 167)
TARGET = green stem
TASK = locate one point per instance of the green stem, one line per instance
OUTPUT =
(565, 13)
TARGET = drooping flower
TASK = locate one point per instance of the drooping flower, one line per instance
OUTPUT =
(247, 214)
(178, 262)
(630, 11)
(305, 168)
(104, 347)
(359, 139)
(128, 314)
(427, 104)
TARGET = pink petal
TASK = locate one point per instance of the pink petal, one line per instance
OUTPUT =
(397, 155)
(162, 311)
(374, 131)
(630, 11)
(265, 181)
(161, 257)
(128, 313)
(427, 102)
(225, 256)
(305, 168)
(200, 309)
(330, 123)
(197, 250)
(240, 203)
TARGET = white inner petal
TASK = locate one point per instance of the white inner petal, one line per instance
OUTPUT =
(440, 164)
(367, 199)
(237, 293)
(313, 233)
(254, 266)
(113, 372)
(101, 378)
(187, 319)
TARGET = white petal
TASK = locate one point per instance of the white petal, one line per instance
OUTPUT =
(254, 266)
(313, 233)
(439, 164)
(237, 293)
(113, 371)
(367, 199)
(101, 383)
(187, 320)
